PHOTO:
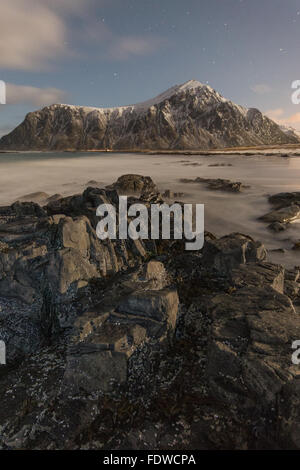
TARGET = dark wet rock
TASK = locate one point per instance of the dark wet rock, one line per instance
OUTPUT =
(284, 215)
(278, 227)
(220, 164)
(114, 346)
(231, 251)
(193, 164)
(250, 354)
(291, 289)
(171, 195)
(24, 209)
(105, 338)
(287, 210)
(284, 199)
(217, 184)
(134, 184)
(151, 197)
(293, 274)
(258, 275)
(54, 252)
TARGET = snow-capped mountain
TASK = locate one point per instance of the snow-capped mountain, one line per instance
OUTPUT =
(188, 116)
(291, 131)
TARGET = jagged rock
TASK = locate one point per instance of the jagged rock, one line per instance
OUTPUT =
(73, 233)
(127, 334)
(154, 273)
(291, 288)
(293, 274)
(105, 340)
(100, 362)
(231, 251)
(55, 249)
(159, 306)
(259, 274)
(250, 356)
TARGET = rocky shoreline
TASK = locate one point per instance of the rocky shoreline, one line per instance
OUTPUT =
(124, 344)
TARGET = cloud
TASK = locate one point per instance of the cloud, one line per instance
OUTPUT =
(293, 120)
(30, 34)
(261, 88)
(275, 113)
(33, 34)
(21, 94)
(122, 48)
(278, 116)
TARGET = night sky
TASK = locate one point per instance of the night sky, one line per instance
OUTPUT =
(117, 52)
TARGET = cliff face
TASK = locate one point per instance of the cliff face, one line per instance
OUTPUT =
(188, 116)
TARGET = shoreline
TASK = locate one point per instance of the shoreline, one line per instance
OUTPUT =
(289, 149)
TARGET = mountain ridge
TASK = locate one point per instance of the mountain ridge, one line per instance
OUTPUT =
(188, 116)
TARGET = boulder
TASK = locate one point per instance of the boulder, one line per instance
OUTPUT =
(134, 184)
(284, 215)
(231, 251)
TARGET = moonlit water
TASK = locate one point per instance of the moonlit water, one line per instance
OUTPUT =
(69, 173)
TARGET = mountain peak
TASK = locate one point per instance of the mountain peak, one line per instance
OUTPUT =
(165, 95)
(191, 84)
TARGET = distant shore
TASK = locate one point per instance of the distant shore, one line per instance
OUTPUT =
(290, 149)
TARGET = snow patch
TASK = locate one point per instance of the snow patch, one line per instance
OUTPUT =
(204, 92)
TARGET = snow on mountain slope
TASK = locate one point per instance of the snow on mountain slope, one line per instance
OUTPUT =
(187, 116)
(190, 85)
(289, 130)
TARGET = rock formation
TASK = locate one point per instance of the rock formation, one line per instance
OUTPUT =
(142, 345)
